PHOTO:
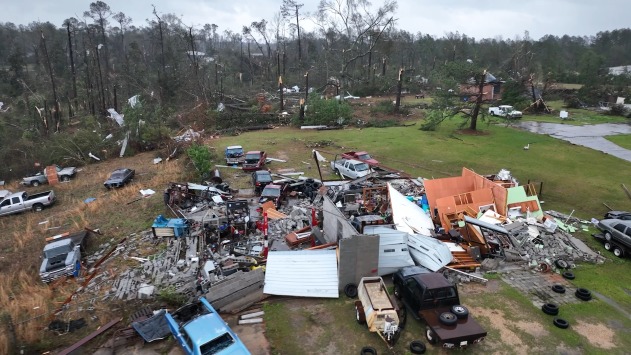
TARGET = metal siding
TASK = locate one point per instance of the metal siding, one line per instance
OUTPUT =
(305, 273)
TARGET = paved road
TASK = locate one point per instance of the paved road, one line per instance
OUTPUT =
(590, 136)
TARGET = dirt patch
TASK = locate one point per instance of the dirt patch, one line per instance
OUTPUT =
(598, 334)
(535, 329)
(499, 321)
(492, 286)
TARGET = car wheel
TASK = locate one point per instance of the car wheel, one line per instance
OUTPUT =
(417, 347)
(607, 246)
(65, 178)
(350, 290)
(38, 207)
(35, 183)
(448, 318)
(358, 316)
(561, 264)
(368, 350)
(560, 323)
(550, 308)
(607, 236)
(558, 288)
(397, 291)
(618, 252)
(431, 337)
(568, 275)
(583, 294)
(460, 311)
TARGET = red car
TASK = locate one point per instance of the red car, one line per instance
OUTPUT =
(361, 156)
(254, 160)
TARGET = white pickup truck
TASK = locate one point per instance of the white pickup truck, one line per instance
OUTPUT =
(21, 201)
(350, 168)
(505, 111)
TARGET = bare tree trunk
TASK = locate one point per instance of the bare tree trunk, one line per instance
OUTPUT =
(102, 91)
(298, 27)
(73, 70)
(397, 105)
(383, 67)
(280, 88)
(56, 118)
(478, 103)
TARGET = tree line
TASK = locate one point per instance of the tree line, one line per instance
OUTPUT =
(57, 78)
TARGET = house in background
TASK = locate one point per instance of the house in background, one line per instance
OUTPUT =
(492, 90)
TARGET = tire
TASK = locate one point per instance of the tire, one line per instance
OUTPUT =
(350, 290)
(569, 275)
(492, 113)
(618, 252)
(403, 317)
(558, 288)
(550, 308)
(448, 318)
(337, 172)
(583, 294)
(358, 316)
(65, 178)
(35, 183)
(561, 264)
(38, 207)
(368, 350)
(560, 323)
(607, 246)
(397, 291)
(417, 347)
(431, 337)
(460, 311)
(607, 236)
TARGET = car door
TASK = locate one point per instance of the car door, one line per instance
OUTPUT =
(412, 294)
(5, 206)
(16, 204)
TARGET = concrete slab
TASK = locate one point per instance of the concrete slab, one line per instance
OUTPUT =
(538, 287)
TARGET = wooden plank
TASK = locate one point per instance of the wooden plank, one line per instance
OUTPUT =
(626, 190)
(91, 336)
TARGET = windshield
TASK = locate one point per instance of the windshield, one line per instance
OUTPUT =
(216, 345)
(364, 156)
(234, 151)
(252, 156)
(63, 249)
(271, 192)
(361, 167)
(118, 175)
(264, 177)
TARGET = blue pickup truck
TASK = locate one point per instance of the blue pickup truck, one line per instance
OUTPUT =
(196, 326)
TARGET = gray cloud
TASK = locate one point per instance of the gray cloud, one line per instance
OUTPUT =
(479, 19)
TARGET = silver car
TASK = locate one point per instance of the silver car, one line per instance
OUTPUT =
(617, 235)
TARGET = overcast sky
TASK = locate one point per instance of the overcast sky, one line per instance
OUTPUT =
(475, 18)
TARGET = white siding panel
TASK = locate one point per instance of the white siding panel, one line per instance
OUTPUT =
(304, 273)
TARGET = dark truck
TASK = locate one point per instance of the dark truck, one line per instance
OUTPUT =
(431, 297)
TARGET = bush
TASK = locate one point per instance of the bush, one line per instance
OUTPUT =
(201, 158)
(171, 297)
(325, 112)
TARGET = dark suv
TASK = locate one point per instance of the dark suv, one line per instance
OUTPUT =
(260, 179)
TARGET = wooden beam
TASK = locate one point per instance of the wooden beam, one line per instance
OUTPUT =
(91, 336)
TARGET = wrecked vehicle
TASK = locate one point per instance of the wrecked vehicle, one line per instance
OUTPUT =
(63, 174)
(616, 236)
(361, 156)
(431, 297)
(21, 201)
(274, 193)
(377, 309)
(624, 215)
(119, 178)
(260, 179)
(62, 256)
(505, 111)
(350, 168)
(254, 160)
(234, 155)
(200, 330)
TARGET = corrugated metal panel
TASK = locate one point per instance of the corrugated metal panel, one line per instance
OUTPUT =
(304, 273)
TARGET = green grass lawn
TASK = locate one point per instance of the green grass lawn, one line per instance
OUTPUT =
(623, 140)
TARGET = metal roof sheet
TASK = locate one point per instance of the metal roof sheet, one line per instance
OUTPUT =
(304, 273)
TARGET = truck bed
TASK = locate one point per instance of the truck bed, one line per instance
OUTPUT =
(467, 329)
(378, 297)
